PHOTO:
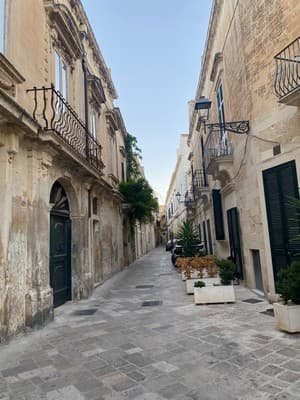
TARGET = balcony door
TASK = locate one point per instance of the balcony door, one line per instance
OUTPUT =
(281, 185)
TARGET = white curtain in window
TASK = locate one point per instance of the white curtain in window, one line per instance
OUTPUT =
(61, 82)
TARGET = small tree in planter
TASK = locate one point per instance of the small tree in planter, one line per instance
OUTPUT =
(223, 293)
(287, 314)
(189, 238)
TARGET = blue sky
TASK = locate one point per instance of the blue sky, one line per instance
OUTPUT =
(154, 51)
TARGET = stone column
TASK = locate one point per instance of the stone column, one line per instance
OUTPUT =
(39, 295)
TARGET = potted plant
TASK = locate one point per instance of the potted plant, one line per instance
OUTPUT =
(287, 312)
(215, 293)
(189, 240)
(203, 267)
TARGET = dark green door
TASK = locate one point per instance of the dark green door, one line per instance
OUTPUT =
(60, 246)
(280, 185)
(235, 240)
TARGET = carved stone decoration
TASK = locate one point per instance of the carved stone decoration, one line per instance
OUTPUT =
(9, 76)
(119, 119)
(96, 90)
(122, 151)
(111, 122)
(63, 24)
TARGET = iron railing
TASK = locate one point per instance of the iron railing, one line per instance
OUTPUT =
(54, 114)
(217, 146)
(199, 179)
(287, 78)
(199, 183)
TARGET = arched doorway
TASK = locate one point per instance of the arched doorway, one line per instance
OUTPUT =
(60, 245)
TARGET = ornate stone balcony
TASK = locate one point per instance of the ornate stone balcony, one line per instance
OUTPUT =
(287, 77)
(54, 114)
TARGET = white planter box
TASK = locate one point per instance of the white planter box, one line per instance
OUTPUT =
(189, 283)
(214, 294)
(287, 317)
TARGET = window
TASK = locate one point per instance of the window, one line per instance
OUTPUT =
(2, 25)
(221, 114)
(220, 101)
(94, 118)
(61, 76)
(123, 171)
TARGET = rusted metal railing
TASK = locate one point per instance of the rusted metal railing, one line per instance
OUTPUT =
(54, 114)
(287, 77)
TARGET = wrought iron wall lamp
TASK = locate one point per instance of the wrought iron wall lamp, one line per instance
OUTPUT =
(203, 105)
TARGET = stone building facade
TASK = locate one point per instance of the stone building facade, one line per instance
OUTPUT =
(61, 158)
(178, 192)
(251, 168)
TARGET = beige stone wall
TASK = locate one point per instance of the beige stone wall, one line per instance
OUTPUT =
(249, 34)
(32, 160)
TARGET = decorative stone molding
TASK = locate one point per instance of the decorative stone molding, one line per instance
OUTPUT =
(81, 17)
(9, 76)
(120, 121)
(111, 122)
(96, 90)
(64, 30)
(217, 60)
(122, 151)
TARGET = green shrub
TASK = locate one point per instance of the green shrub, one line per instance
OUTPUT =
(188, 238)
(288, 285)
(226, 271)
(199, 284)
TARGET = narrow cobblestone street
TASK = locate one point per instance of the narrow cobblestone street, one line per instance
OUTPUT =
(114, 347)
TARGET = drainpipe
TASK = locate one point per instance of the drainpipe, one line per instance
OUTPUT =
(86, 103)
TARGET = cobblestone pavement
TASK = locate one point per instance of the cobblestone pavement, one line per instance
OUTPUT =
(113, 347)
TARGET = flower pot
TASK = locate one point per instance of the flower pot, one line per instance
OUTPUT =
(214, 294)
(287, 317)
(189, 283)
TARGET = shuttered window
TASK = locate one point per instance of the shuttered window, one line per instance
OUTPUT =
(280, 185)
(210, 246)
(218, 214)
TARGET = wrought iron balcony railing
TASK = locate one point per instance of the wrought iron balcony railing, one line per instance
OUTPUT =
(199, 180)
(54, 114)
(287, 78)
(217, 146)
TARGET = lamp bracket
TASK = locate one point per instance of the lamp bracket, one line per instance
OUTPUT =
(239, 127)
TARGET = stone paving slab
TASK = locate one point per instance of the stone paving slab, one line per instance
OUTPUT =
(176, 350)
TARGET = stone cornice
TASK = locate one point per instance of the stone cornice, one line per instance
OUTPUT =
(65, 30)
(104, 70)
(213, 22)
